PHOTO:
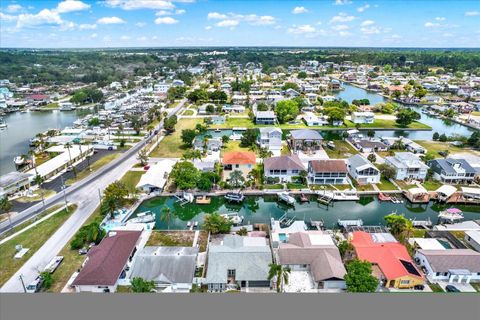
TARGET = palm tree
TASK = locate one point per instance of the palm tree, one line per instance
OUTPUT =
(68, 146)
(166, 216)
(6, 206)
(39, 180)
(280, 273)
(32, 156)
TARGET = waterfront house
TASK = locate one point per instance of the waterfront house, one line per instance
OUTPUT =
(270, 138)
(171, 268)
(370, 146)
(204, 166)
(312, 119)
(13, 182)
(362, 170)
(156, 176)
(305, 140)
(107, 262)
(363, 117)
(453, 171)
(238, 262)
(327, 172)
(392, 264)
(243, 161)
(316, 253)
(283, 167)
(265, 117)
(233, 108)
(407, 166)
(452, 265)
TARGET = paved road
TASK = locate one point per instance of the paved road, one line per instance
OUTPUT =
(85, 194)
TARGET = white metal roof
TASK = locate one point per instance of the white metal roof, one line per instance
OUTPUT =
(157, 175)
(447, 190)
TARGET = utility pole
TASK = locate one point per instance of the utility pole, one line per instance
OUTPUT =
(99, 195)
(64, 195)
(23, 283)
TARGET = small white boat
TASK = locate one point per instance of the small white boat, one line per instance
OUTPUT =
(284, 196)
(331, 144)
(143, 217)
(3, 124)
(235, 218)
(232, 196)
(189, 224)
(18, 160)
(450, 215)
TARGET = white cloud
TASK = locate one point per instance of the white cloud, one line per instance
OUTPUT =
(303, 29)
(140, 24)
(125, 38)
(93, 35)
(342, 17)
(340, 27)
(44, 17)
(440, 18)
(216, 16)
(71, 6)
(472, 13)
(367, 23)
(342, 2)
(298, 10)
(110, 20)
(370, 30)
(344, 33)
(14, 8)
(363, 8)
(228, 23)
(163, 13)
(143, 38)
(140, 4)
(180, 11)
(208, 27)
(432, 25)
(86, 26)
(166, 20)
(395, 36)
(230, 19)
(7, 17)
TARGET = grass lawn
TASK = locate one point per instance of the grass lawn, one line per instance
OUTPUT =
(72, 261)
(476, 285)
(435, 287)
(94, 167)
(171, 238)
(342, 150)
(385, 185)
(233, 146)
(433, 147)
(36, 196)
(273, 186)
(418, 233)
(404, 185)
(50, 106)
(172, 146)
(285, 150)
(124, 289)
(387, 124)
(33, 239)
(29, 222)
(188, 113)
(293, 186)
(432, 185)
(131, 179)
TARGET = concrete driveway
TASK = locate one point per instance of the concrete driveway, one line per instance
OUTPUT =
(463, 287)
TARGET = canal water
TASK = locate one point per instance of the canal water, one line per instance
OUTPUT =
(14, 140)
(438, 125)
(262, 209)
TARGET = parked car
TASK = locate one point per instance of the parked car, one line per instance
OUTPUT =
(35, 285)
(419, 287)
(451, 288)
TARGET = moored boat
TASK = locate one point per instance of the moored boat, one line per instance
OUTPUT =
(384, 197)
(19, 160)
(234, 196)
(450, 215)
(234, 218)
(203, 200)
(143, 217)
(285, 197)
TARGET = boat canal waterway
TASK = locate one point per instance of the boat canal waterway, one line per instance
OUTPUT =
(262, 209)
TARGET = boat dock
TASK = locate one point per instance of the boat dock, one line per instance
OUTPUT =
(350, 223)
(426, 224)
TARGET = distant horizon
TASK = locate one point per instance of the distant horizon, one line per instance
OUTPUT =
(76, 24)
(234, 47)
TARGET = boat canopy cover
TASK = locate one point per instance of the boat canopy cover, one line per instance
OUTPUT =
(454, 210)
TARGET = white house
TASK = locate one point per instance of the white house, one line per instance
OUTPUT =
(452, 265)
(312, 119)
(362, 170)
(271, 139)
(407, 166)
(161, 87)
(284, 167)
(363, 117)
(156, 177)
(472, 237)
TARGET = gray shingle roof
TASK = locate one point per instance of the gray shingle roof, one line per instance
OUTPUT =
(447, 165)
(12, 178)
(249, 260)
(306, 134)
(166, 264)
(444, 260)
(292, 162)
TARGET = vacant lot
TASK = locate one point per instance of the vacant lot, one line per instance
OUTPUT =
(94, 167)
(433, 147)
(342, 150)
(172, 146)
(32, 239)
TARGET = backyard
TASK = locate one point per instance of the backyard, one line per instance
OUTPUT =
(433, 147)
(342, 150)
(386, 185)
(177, 239)
(131, 179)
(172, 146)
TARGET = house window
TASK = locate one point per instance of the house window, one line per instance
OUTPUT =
(405, 282)
(231, 273)
(237, 166)
(445, 274)
(294, 171)
(437, 274)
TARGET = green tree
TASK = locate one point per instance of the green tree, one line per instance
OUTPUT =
(280, 273)
(291, 85)
(47, 279)
(188, 135)
(370, 133)
(242, 232)
(399, 225)
(302, 75)
(236, 178)
(262, 107)
(435, 136)
(225, 139)
(114, 197)
(169, 123)
(249, 138)
(141, 285)
(334, 114)
(406, 116)
(166, 216)
(185, 175)
(372, 157)
(215, 223)
(442, 137)
(359, 277)
(142, 156)
(197, 95)
(344, 247)
(286, 110)
(387, 171)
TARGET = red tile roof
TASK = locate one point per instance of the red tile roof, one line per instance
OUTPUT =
(239, 157)
(328, 166)
(106, 261)
(386, 255)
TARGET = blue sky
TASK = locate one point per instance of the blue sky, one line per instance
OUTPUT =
(151, 23)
